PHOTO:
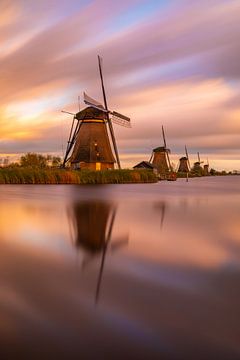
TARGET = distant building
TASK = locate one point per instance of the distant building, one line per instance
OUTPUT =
(183, 165)
(146, 165)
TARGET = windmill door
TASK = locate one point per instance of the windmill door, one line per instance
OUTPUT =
(98, 166)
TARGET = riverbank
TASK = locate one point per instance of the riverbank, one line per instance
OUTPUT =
(63, 176)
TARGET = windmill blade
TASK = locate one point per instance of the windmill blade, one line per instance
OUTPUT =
(92, 102)
(169, 163)
(67, 112)
(121, 116)
(69, 139)
(120, 119)
(108, 118)
(108, 239)
(72, 137)
(164, 139)
(151, 157)
(198, 157)
(167, 152)
(187, 157)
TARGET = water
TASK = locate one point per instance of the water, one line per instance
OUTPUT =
(111, 271)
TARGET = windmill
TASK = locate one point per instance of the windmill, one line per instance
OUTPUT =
(206, 168)
(88, 144)
(160, 157)
(184, 163)
(199, 162)
(197, 168)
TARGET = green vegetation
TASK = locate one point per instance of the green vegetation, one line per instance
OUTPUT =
(39, 161)
(31, 175)
(184, 175)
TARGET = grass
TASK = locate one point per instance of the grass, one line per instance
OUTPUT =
(29, 175)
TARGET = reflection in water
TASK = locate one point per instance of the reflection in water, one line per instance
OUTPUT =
(172, 293)
(161, 208)
(93, 223)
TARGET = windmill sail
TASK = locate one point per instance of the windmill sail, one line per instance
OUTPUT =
(92, 102)
(89, 137)
(117, 118)
(167, 151)
(186, 151)
(120, 119)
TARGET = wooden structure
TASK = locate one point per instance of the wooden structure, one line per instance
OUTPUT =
(197, 168)
(206, 170)
(184, 163)
(91, 137)
(160, 162)
(145, 165)
(160, 158)
(92, 149)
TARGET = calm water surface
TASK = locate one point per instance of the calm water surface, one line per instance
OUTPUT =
(121, 271)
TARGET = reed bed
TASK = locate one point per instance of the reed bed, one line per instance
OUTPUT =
(62, 176)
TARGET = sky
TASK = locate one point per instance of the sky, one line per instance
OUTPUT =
(172, 63)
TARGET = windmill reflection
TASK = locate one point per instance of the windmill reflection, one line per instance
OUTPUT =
(161, 207)
(93, 223)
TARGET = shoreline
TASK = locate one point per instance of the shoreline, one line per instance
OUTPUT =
(33, 176)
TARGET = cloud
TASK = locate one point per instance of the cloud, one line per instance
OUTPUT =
(175, 65)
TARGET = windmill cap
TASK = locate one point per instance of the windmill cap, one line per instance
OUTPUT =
(160, 148)
(183, 158)
(91, 113)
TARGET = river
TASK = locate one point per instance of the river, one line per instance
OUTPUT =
(138, 271)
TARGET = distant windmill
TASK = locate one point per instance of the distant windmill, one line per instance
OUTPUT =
(197, 166)
(184, 163)
(160, 157)
(88, 144)
(206, 168)
(199, 162)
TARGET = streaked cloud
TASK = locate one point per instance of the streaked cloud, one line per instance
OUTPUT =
(172, 63)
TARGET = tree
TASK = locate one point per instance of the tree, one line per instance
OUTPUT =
(197, 170)
(213, 172)
(56, 161)
(34, 160)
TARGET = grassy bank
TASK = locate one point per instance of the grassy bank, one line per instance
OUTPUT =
(62, 176)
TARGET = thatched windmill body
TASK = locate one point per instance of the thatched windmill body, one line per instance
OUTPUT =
(91, 140)
(160, 157)
(184, 163)
(197, 168)
(206, 169)
(92, 148)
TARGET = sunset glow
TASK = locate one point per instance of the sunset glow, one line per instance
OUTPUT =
(165, 62)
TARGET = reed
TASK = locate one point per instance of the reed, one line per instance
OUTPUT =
(30, 175)
(184, 175)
